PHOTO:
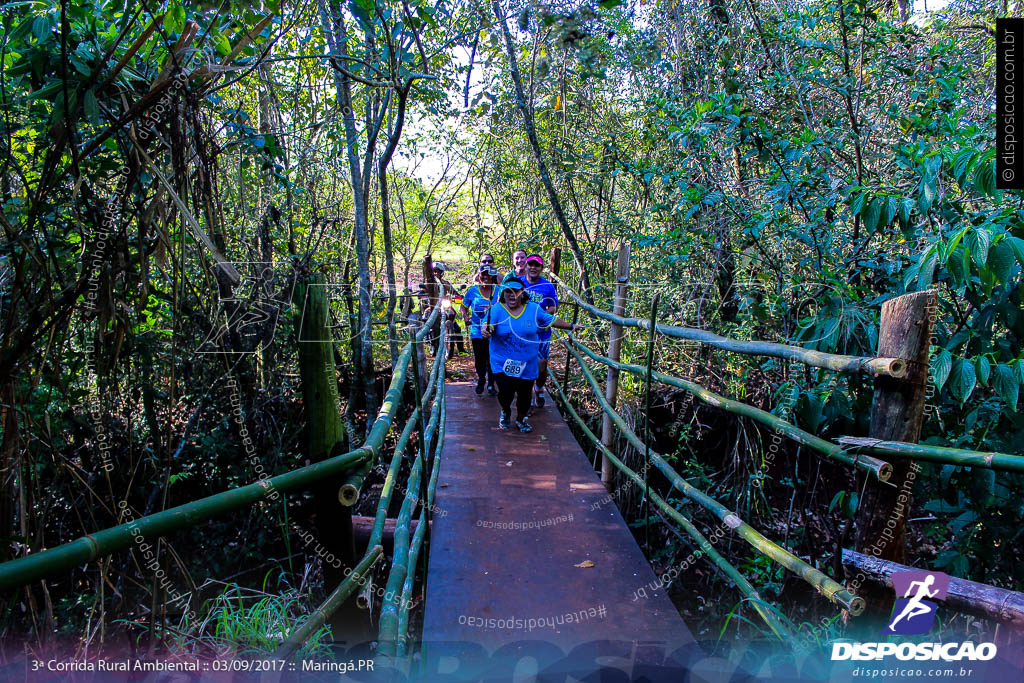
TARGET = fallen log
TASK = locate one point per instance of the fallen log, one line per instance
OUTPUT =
(967, 597)
(363, 526)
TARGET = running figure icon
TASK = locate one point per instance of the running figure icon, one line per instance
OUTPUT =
(914, 606)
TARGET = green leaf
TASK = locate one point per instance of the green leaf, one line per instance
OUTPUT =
(940, 368)
(857, 204)
(221, 44)
(906, 206)
(892, 209)
(983, 369)
(927, 196)
(957, 266)
(362, 10)
(872, 212)
(21, 31)
(174, 20)
(1017, 245)
(41, 28)
(1006, 383)
(92, 110)
(960, 165)
(985, 178)
(978, 241)
(610, 4)
(927, 269)
(962, 380)
(850, 505)
(1000, 260)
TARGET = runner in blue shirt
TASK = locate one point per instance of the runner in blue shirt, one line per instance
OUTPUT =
(544, 294)
(512, 326)
(475, 304)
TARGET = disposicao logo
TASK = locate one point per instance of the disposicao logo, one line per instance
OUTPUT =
(914, 614)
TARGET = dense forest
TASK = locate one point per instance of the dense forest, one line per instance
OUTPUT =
(177, 177)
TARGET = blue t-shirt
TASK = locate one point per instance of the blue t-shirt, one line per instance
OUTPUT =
(544, 294)
(515, 340)
(477, 304)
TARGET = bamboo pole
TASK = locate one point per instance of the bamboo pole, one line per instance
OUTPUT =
(877, 468)
(348, 493)
(614, 349)
(891, 367)
(388, 633)
(65, 557)
(419, 535)
(386, 492)
(567, 368)
(825, 585)
(324, 428)
(706, 547)
(647, 420)
(23, 570)
(900, 450)
(321, 614)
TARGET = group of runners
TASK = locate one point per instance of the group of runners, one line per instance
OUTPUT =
(510, 317)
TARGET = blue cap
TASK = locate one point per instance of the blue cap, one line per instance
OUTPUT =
(511, 282)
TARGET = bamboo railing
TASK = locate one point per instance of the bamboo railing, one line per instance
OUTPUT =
(947, 456)
(389, 611)
(891, 367)
(749, 592)
(832, 590)
(876, 468)
(426, 512)
(321, 614)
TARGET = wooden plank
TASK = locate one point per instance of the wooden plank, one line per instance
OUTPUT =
(515, 515)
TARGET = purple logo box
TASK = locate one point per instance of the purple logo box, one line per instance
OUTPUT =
(914, 610)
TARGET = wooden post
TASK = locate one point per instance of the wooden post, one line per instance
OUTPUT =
(611, 390)
(555, 260)
(325, 430)
(897, 411)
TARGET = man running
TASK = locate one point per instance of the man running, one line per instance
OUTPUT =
(543, 293)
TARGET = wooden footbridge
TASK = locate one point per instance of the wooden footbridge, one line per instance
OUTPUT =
(529, 562)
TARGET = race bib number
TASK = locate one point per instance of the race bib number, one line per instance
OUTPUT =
(513, 368)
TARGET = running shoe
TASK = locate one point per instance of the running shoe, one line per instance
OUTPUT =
(523, 425)
(480, 387)
(503, 421)
(538, 398)
(491, 390)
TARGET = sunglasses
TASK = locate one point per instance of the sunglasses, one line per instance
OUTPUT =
(486, 260)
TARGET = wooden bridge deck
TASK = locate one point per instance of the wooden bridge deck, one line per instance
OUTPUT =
(515, 517)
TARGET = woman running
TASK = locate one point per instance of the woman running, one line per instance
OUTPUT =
(475, 304)
(512, 326)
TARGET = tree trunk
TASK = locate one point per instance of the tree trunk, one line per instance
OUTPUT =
(325, 431)
(542, 168)
(897, 412)
(337, 38)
